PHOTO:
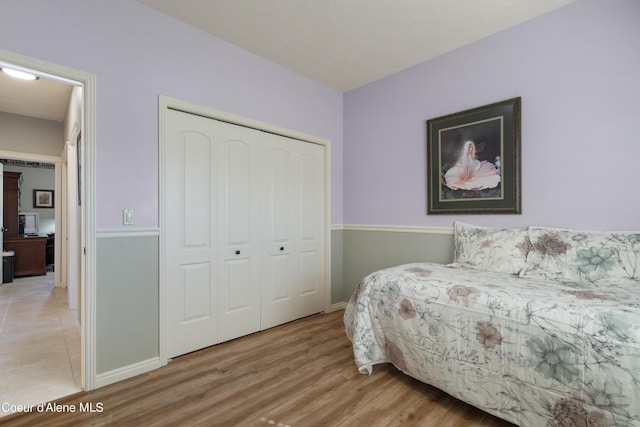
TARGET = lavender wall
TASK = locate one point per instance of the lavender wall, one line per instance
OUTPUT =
(137, 54)
(578, 72)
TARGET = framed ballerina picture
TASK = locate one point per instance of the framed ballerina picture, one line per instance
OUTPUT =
(473, 161)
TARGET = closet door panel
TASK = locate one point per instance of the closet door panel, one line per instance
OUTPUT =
(197, 292)
(309, 199)
(280, 279)
(279, 192)
(191, 255)
(295, 216)
(238, 274)
(237, 203)
(239, 280)
(196, 191)
(310, 210)
(279, 224)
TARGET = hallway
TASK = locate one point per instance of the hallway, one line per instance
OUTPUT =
(39, 343)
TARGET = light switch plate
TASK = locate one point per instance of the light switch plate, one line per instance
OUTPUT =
(128, 217)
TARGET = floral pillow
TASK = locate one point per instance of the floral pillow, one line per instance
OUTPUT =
(584, 256)
(501, 250)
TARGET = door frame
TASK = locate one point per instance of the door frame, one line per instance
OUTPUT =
(88, 236)
(167, 103)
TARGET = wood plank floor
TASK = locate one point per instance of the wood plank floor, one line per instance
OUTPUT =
(298, 374)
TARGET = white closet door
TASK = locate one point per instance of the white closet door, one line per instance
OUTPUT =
(191, 234)
(310, 210)
(212, 234)
(239, 210)
(292, 272)
(244, 231)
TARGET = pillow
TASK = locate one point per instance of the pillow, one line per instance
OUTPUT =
(584, 257)
(501, 250)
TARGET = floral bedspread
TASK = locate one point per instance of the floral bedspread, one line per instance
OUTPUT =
(533, 352)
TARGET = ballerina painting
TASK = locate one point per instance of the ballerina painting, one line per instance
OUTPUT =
(473, 160)
(469, 173)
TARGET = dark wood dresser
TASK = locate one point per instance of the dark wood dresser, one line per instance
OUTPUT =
(30, 258)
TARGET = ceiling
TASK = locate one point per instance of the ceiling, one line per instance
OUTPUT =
(345, 44)
(43, 98)
(342, 44)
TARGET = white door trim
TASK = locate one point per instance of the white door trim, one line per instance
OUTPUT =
(88, 266)
(166, 103)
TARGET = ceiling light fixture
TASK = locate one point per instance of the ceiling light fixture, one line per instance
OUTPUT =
(19, 74)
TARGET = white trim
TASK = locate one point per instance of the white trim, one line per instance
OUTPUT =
(102, 233)
(395, 228)
(327, 225)
(342, 305)
(126, 372)
(88, 277)
(15, 155)
(162, 246)
(54, 72)
(187, 107)
(166, 103)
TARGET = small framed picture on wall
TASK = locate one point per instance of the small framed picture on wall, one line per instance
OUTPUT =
(43, 198)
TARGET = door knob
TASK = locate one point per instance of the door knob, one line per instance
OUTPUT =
(282, 248)
(237, 252)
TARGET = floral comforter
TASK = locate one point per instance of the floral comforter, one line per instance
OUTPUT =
(533, 352)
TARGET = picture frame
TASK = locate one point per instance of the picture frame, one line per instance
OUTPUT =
(43, 199)
(474, 162)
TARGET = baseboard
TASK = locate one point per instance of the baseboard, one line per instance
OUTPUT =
(126, 372)
(336, 307)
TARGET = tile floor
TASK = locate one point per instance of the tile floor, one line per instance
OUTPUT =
(39, 343)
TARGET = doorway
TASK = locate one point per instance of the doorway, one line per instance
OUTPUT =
(82, 167)
(40, 331)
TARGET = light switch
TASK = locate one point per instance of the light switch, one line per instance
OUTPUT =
(128, 217)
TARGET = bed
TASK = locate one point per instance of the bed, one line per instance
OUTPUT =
(538, 326)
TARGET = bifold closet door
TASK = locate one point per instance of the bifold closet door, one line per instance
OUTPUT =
(212, 237)
(244, 239)
(239, 210)
(292, 273)
(191, 234)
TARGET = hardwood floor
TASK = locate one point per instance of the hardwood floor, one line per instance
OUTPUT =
(298, 374)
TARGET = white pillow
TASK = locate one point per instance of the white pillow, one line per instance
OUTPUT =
(587, 257)
(501, 250)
